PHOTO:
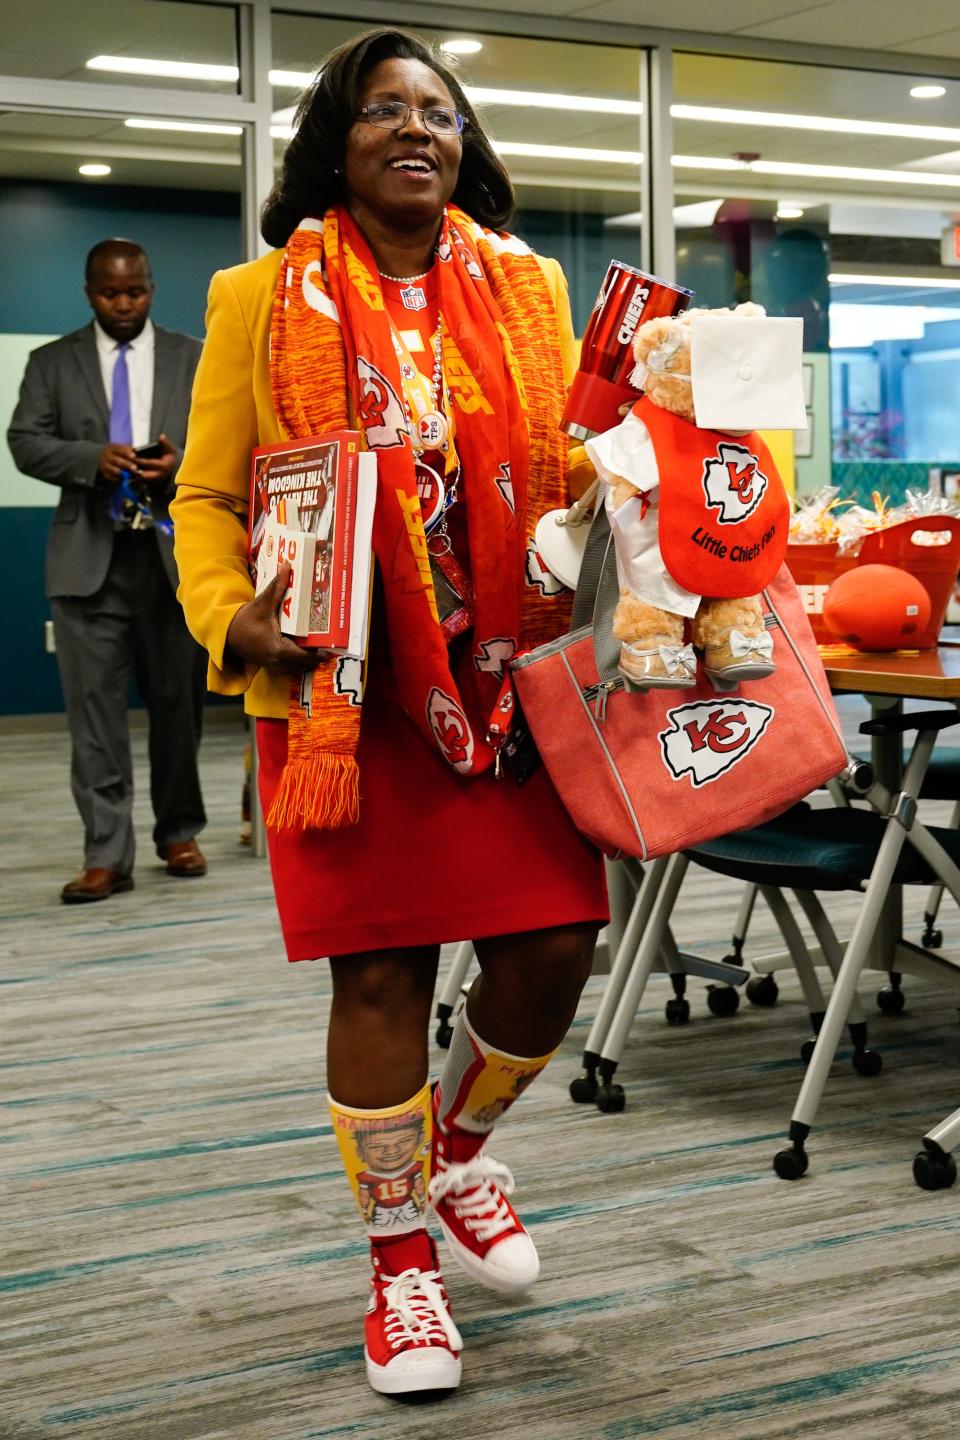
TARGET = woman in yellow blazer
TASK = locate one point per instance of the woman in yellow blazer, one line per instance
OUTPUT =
(389, 225)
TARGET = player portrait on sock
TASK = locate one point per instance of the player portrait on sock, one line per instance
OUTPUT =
(489, 1083)
(386, 1156)
(488, 1115)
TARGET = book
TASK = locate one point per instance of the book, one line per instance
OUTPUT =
(312, 503)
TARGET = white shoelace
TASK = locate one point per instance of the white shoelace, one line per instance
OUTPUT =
(417, 1311)
(475, 1192)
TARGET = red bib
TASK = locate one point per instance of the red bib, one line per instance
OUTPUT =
(724, 514)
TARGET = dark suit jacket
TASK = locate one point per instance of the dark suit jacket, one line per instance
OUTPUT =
(60, 426)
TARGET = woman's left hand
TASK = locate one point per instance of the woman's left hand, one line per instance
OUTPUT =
(255, 637)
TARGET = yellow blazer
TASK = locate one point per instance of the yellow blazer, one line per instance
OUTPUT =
(231, 413)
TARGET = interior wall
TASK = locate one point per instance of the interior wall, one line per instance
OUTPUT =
(45, 233)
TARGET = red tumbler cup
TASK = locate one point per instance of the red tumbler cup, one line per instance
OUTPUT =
(627, 298)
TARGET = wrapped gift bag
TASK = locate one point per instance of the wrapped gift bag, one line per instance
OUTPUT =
(649, 773)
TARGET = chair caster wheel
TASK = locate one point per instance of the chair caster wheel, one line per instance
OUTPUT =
(806, 1051)
(611, 1099)
(443, 1035)
(934, 1171)
(583, 1090)
(791, 1164)
(762, 990)
(677, 1011)
(931, 938)
(890, 1000)
(867, 1062)
(722, 1000)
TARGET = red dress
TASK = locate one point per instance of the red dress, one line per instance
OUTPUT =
(436, 856)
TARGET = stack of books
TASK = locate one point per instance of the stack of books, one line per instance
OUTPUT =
(311, 506)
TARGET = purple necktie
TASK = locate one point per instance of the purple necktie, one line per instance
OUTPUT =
(121, 427)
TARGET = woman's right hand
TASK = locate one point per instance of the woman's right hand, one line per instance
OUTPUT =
(255, 637)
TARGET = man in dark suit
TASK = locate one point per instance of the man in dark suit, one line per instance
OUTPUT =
(87, 404)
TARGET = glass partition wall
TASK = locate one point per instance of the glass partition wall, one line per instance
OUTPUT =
(824, 193)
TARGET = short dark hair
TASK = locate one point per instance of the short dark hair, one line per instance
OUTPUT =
(109, 249)
(310, 178)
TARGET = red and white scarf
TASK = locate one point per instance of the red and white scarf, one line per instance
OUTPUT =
(333, 365)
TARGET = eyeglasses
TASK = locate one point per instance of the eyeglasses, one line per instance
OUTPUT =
(393, 115)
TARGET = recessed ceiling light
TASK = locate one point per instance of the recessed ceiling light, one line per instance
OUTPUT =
(547, 100)
(95, 169)
(789, 212)
(572, 152)
(928, 92)
(830, 124)
(192, 127)
(824, 172)
(293, 79)
(917, 282)
(167, 69)
(461, 47)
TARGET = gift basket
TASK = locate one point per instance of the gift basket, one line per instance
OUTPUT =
(829, 536)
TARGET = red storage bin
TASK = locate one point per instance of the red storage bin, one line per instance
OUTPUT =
(815, 567)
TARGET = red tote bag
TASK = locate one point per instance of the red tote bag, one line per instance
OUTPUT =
(650, 773)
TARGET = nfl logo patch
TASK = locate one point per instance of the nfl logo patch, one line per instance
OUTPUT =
(413, 298)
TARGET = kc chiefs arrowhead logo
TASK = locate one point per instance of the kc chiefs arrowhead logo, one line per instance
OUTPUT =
(708, 737)
(450, 729)
(733, 483)
(381, 411)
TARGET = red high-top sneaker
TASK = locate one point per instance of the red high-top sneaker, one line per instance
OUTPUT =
(411, 1342)
(469, 1192)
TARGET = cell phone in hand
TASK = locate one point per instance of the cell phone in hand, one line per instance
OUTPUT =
(153, 451)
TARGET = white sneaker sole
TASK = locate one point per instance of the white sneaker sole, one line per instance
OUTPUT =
(427, 1369)
(512, 1278)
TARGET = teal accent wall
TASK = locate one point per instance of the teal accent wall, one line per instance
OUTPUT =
(584, 249)
(45, 233)
(746, 255)
(47, 229)
(858, 479)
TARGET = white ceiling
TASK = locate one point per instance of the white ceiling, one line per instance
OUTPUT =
(925, 27)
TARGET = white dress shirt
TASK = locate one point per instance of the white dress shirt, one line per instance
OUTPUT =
(140, 371)
(626, 452)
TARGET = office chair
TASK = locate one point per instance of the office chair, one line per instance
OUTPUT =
(806, 851)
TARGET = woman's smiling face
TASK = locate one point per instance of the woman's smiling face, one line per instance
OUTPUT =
(402, 178)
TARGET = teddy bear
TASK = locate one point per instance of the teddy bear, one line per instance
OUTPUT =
(699, 520)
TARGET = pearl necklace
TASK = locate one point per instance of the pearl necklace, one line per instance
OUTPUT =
(404, 279)
(430, 431)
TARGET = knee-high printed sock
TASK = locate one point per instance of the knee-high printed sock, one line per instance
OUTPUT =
(386, 1154)
(477, 1085)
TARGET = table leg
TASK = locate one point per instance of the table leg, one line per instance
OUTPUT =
(887, 757)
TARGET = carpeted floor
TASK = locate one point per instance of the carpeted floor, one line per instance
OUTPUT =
(179, 1256)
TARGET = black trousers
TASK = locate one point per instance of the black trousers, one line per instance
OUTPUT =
(132, 627)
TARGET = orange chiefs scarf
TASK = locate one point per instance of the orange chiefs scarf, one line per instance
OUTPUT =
(333, 366)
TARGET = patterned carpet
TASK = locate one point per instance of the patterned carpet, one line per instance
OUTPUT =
(178, 1253)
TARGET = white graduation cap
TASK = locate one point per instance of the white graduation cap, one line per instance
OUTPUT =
(747, 372)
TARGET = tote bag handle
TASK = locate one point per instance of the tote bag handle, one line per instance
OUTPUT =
(597, 594)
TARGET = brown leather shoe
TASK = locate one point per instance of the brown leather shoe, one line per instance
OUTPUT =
(185, 859)
(95, 884)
